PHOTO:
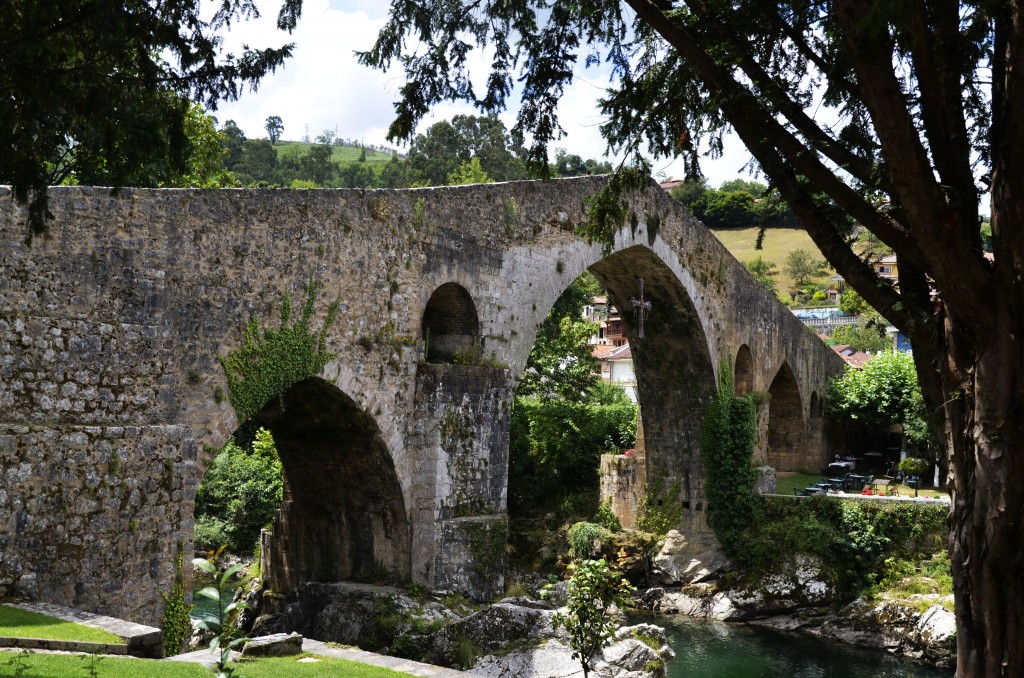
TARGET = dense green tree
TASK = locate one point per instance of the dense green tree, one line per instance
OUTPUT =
(258, 163)
(206, 156)
(691, 191)
(357, 175)
(316, 164)
(571, 165)
(884, 392)
(98, 92)
(396, 174)
(727, 209)
(239, 495)
(275, 128)
(853, 304)
(801, 266)
(866, 336)
(754, 188)
(438, 152)
(234, 143)
(469, 172)
(926, 119)
(561, 363)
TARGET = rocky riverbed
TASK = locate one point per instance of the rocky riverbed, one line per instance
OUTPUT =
(799, 596)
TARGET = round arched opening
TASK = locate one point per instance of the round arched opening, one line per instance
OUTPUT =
(786, 430)
(343, 516)
(450, 324)
(743, 371)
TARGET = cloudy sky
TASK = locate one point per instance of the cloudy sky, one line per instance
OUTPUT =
(322, 87)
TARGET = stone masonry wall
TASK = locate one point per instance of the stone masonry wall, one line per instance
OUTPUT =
(112, 399)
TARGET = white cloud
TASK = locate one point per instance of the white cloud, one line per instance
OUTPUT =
(323, 87)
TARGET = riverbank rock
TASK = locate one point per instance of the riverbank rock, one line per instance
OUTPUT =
(898, 626)
(375, 618)
(688, 560)
(637, 652)
(512, 621)
(800, 582)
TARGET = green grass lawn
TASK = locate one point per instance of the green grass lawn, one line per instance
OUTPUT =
(778, 243)
(17, 623)
(72, 666)
(786, 482)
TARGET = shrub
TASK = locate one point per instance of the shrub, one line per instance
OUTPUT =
(606, 518)
(210, 533)
(586, 539)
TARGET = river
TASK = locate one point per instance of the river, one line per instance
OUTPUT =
(709, 649)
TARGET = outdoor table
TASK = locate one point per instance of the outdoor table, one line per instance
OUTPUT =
(856, 482)
(840, 466)
(880, 486)
(836, 484)
(813, 489)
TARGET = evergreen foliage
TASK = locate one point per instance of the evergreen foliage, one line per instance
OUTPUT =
(100, 92)
(884, 392)
(269, 362)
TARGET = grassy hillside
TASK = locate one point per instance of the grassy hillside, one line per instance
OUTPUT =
(339, 154)
(778, 243)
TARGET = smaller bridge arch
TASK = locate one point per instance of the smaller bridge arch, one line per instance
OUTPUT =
(450, 323)
(786, 426)
(743, 371)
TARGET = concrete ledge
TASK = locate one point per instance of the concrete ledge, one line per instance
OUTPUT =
(63, 645)
(140, 640)
(315, 647)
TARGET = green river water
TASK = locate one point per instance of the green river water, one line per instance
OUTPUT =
(707, 649)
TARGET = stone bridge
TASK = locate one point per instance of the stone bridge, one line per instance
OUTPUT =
(112, 395)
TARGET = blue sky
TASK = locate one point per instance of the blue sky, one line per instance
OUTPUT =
(323, 87)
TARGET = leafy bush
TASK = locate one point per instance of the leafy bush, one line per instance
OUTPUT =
(593, 592)
(586, 539)
(606, 518)
(239, 495)
(210, 533)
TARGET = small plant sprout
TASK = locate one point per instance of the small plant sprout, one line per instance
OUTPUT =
(223, 641)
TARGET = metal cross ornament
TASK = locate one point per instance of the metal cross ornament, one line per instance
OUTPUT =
(642, 308)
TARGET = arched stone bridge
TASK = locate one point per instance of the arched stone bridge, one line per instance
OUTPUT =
(111, 392)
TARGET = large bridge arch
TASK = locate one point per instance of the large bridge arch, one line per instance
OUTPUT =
(110, 383)
(344, 515)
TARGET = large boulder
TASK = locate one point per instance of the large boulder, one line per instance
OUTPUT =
(510, 621)
(688, 560)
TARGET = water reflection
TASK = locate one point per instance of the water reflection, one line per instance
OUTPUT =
(707, 649)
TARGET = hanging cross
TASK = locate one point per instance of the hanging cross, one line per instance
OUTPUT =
(641, 308)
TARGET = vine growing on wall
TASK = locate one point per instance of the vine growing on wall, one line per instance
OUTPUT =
(176, 622)
(727, 448)
(270, 361)
(487, 542)
(607, 211)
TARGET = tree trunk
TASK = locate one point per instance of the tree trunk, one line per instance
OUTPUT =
(983, 402)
